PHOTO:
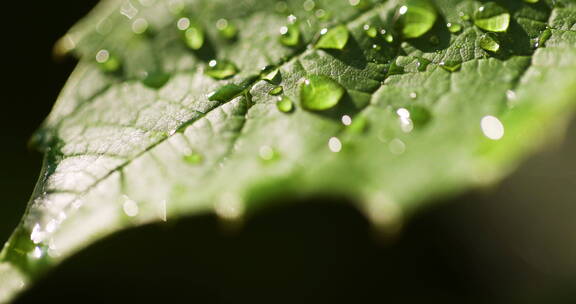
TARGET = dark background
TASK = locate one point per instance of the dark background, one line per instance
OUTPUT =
(515, 243)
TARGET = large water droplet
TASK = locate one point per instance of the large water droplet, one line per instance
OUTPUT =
(417, 17)
(489, 43)
(285, 105)
(221, 69)
(225, 93)
(320, 93)
(107, 61)
(290, 35)
(334, 38)
(492, 17)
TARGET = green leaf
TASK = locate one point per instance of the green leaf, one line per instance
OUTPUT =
(420, 119)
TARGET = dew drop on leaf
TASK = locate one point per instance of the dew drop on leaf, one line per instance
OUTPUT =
(489, 43)
(193, 158)
(531, 1)
(225, 93)
(194, 37)
(155, 80)
(277, 90)
(334, 38)
(492, 17)
(319, 93)
(370, 31)
(268, 154)
(290, 35)
(107, 61)
(417, 18)
(284, 104)
(226, 29)
(221, 69)
(454, 27)
(492, 127)
(450, 66)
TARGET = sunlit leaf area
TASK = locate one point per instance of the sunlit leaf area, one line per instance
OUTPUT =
(241, 151)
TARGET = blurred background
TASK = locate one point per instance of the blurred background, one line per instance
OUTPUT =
(514, 243)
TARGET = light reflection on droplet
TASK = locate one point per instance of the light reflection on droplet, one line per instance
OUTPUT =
(130, 207)
(511, 95)
(346, 120)
(183, 23)
(492, 127)
(385, 214)
(334, 144)
(413, 95)
(354, 2)
(229, 207)
(102, 56)
(37, 252)
(405, 121)
(292, 19)
(403, 9)
(37, 235)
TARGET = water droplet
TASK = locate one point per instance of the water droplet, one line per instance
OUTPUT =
(389, 38)
(396, 146)
(464, 16)
(309, 5)
(370, 31)
(489, 43)
(320, 93)
(268, 154)
(183, 23)
(334, 38)
(193, 158)
(417, 17)
(107, 61)
(284, 104)
(276, 91)
(450, 66)
(37, 253)
(130, 207)
(492, 127)
(156, 80)
(346, 120)
(270, 74)
(226, 29)
(531, 1)
(194, 36)
(334, 144)
(546, 34)
(139, 26)
(413, 95)
(225, 93)
(290, 35)
(221, 69)
(359, 4)
(422, 64)
(492, 17)
(454, 27)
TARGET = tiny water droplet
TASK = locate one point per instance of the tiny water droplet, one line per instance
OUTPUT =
(334, 38)
(370, 31)
(406, 123)
(492, 17)
(268, 154)
(334, 144)
(130, 207)
(107, 61)
(290, 35)
(194, 37)
(489, 43)
(225, 93)
(221, 69)
(450, 66)
(276, 91)
(319, 93)
(454, 27)
(417, 18)
(284, 104)
(309, 5)
(359, 4)
(193, 158)
(226, 29)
